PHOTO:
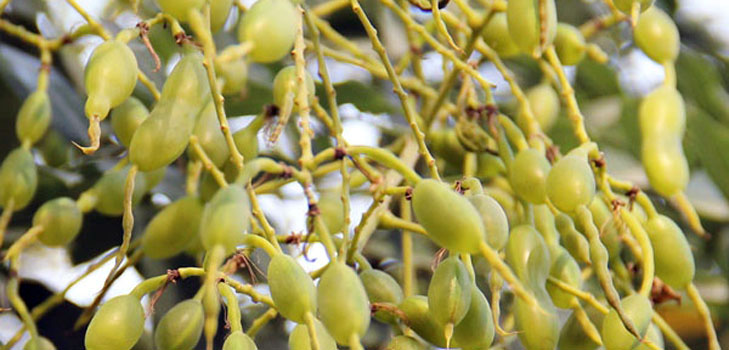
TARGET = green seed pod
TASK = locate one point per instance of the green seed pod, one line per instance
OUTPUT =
(569, 44)
(181, 327)
(432, 202)
(573, 337)
(471, 135)
(381, 288)
(219, 13)
(239, 341)
(421, 321)
(657, 35)
(570, 183)
(614, 334)
(565, 269)
(528, 175)
(61, 220)
(117, 325)
(604, 221)
(662, 112)
(173, 228)
(525, 24)
(163, 136)
(109, 77)
(476, 329)
(43, 343)
(403, 342)
(445, 144)
(575, 242)
(18, 179)
(330, 205)
(234, 74)
(496, 35)
(286, 82)
(299, 338)
(34, 117)
(207, 130)
(153, 178)
(538, 329)
(55, 149)
(246, 139)
(126, 118)
(110, 191)
(627, 5)
(489, 165)
(672, 254)
(449, 294)
(292, 289)
(654, 335)
(225, 218)
(528, 255)
(544, 103)
(179, 8)
(270, 26)
(343, 305)
(494, 220)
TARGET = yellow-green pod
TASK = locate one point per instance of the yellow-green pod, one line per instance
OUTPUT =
(225, 219)
(207, 130)
(246, 139)
(655, 336)
(330, 206)
(528, 255)
(666, 165)
(153, 178)
(671, 251)
(219, 13)
(496, 35)
(421, 321)
(55, 149)
(381, 288)
(525, 24)
(343, 305)
(627, 5)
(163, 136)
(495, 222)
(43, 343)
(528, 175)
(448, 217)
(605, 221)
(286, 82)
(613, 332)
(574, 241)
(476, 329)
(109, 77)
(444, 144)
(489, 165)
(109, 191)
(61, 219)
(570, 183)
(234, 75)
(537, 327)
(403, 342)
(173, 228)
(662, 113)
(117, 325)
(181, 327)
(34, 117)
(270, 26)
(565, 269)
(573, 337)
(18, 179)
(449, 293)
(239, 341)
(179, 8)
(544, 103)
(657, 35)
(299, 337)
(291, 287)
(569, 44)
(126, 118)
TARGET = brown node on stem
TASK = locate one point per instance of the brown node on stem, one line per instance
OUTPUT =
(661, 292)
(389, 308)
(599, 162)
(632, 194)
(409, 193)
(551, 153)
(339, 153)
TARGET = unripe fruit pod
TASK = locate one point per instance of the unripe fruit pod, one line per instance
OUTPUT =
(476, 329)
(574, 241)
(212, 141)
(153, 178)
(286, 82)
(496, 35)
(163, 136)
(225, 218)
(18, 179)
(270, 26)
(449, 292)
(109, 77)
(110, 191)
(489, 166)
(181, 327)
(117, 325)
(665, 164)
(573, 337)
(330, 206)
(538, 329)
(657, 35)
(421, 321)
(565, 269)
(292, 289)
(219, 13)
(234, 75)
(614, 335)
(654, 335)
(495, 222)
(381, 288)
(525, 23)
(34, 117)
(528, 175)
(445, 144)
(570, 183)
(627, 5)
(674, 261)
(173, 228)
(55, 149)
(403, 342)
(544, 103)
(662, 112)
(448, 217)
(343, 305)
(528, 255)
(126, 118)
(42, 344)
(246, 139)
(61, 220)
(180, 8)
(569, 44)
(239, 341)
(299, 337)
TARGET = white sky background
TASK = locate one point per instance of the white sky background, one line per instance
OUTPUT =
(53, 268)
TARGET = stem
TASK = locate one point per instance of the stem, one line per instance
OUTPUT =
(5, 217)
(234, 317)
(568, 95)
(408, 270)
(502, 269)
(261, 321)
(311, 328)
(681, 202)
(705, 314)
(258, 213)
(127, 222)
(23, 242)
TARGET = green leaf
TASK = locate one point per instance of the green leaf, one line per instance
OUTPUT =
(708, 140)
